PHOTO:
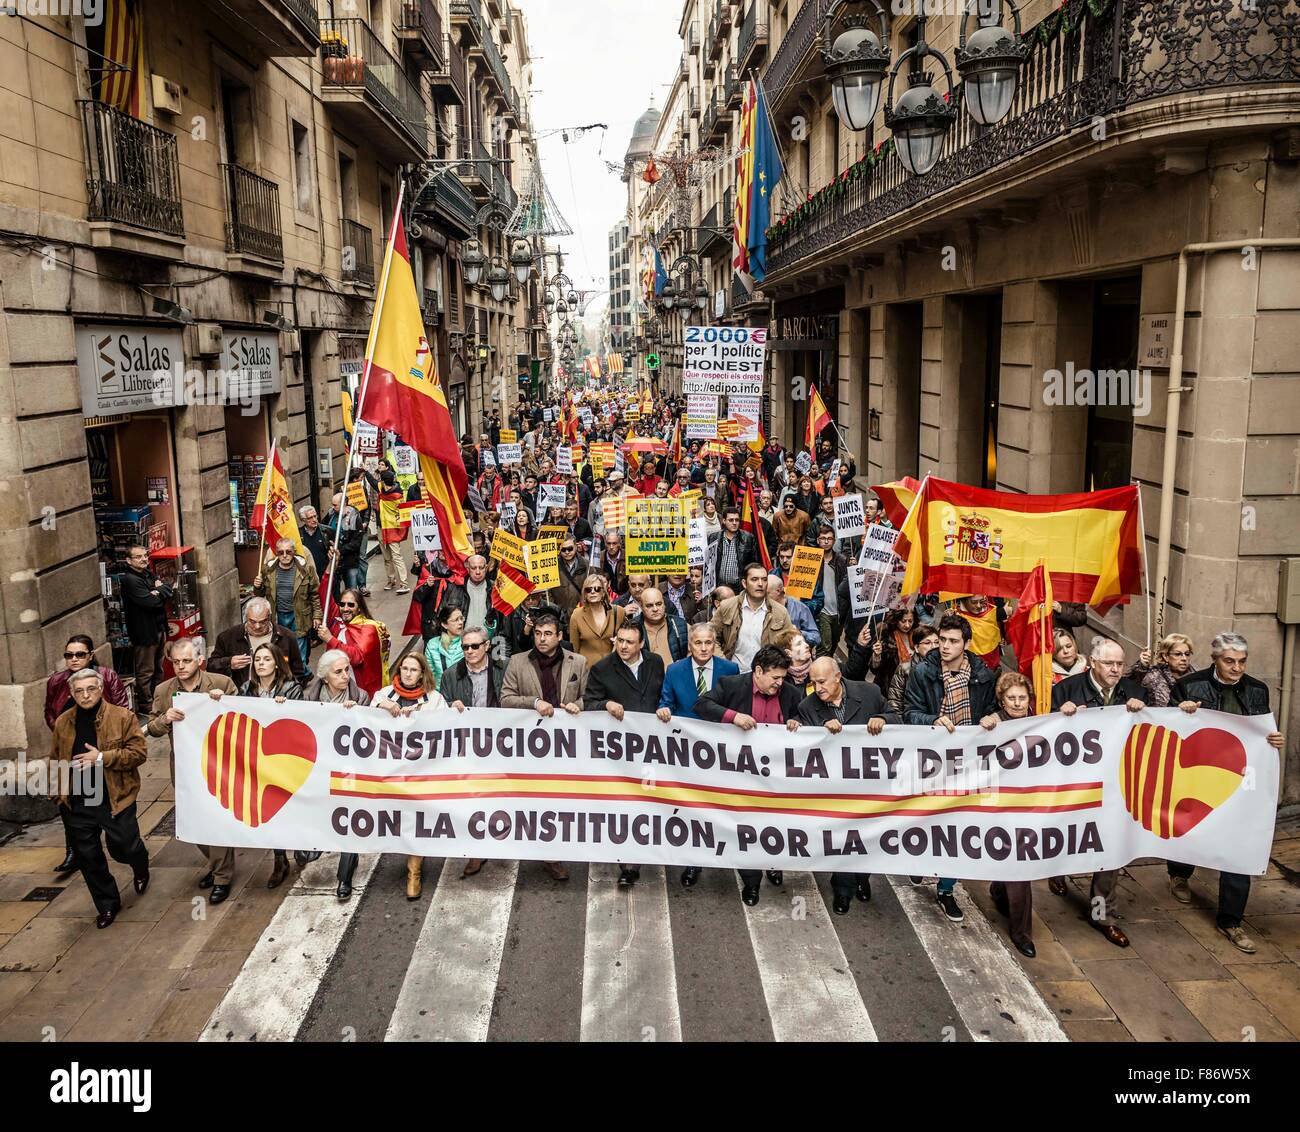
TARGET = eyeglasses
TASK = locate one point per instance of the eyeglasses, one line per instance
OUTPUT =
(473, 644)
(75, 655)
(342, 605)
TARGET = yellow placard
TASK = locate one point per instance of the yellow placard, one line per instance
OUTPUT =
(805, 569)
(543, 563)
(509, 549)
(550, 531)
(357, 496)
(508, 436)
(656, 537)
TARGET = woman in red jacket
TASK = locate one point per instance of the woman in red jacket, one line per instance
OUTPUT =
(78, 653)
(363, 639)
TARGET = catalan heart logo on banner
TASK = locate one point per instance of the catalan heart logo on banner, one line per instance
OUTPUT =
(254, 770)
(1171, 784)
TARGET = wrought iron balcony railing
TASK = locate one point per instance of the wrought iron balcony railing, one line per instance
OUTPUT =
(450, 77)
(353, 58)
(1080, 68)
(132, 171)
(304, 11)
(252, 214)
(421, 18)
(797, 45)
(470, 14)
(752, 41)
(358, 253)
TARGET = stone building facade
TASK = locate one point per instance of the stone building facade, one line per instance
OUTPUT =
(234, 217)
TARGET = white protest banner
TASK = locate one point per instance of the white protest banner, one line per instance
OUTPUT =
(803, 463)
(406, 461)
(723, 359)
(702, 405)
(701, 428)
(548, 415)
(850, 519)
(747, 412)
(424, 530)
(878, 549)
(697, 542)
(489, 460)
(564, 460)
(510, 453)
(1033, 798)
(586, 416)
(862, 584)
(551, 495)
(506, 516)
(367, 438)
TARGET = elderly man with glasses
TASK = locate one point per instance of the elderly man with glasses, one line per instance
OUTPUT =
(289, 580)
(232, 654)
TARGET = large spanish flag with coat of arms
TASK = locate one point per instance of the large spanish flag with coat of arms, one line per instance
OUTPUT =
(970, 540)
(401, 392)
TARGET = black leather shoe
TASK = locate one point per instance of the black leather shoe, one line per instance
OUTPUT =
(219, 893)
(302, 858)
(344, 890)
(841, 904)
(776, 877)
(689, 877)
(205, 881)
(749, 894)
(141, 882)
(279, 871)
(104, 919)
(627, 878)
(864, 889)
(67, 865)
(1026, 948)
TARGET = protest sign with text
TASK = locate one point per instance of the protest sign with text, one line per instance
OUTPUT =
(805, 570)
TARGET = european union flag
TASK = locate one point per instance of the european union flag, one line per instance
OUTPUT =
(768, 170)
(661, 274)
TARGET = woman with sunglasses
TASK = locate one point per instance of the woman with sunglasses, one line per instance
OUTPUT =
(362, 639)
(78, 653)
(444, 649)
(595, 622)
(271, 679)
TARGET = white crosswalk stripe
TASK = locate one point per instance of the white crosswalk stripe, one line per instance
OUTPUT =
(452, 977)
(811, 994)
(275, 987)
(629, 978)
(991, 992)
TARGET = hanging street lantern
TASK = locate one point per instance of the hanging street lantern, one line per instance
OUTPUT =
(989, 65)
(856, 64)
(922, 117)
(521, 259)
(498, 278)
(472, 260)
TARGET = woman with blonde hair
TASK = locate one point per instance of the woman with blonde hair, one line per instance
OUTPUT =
(413, 689)
(1173, 661)
(1066, 660)
(595, 622)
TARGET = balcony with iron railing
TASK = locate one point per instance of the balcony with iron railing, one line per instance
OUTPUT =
(468, 16)
(733, 90)
(358, 253)
(419, 26)
(797, 59)
(722, 14)
(477, 168)
(252, 216)
(449, 84)
(715, 239)
(752, 41)
(363, 82)
(494, 65)
(449, 204)
(275, 28)
(1096, 68)
(133, 179)
(709, 60)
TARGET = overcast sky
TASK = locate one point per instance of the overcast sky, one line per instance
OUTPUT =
(595, 61)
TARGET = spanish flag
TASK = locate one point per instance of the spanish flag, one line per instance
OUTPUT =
(512, 586)
(896, 499)
(818, 418)
(970, 540)
(273, 516)
(400, 391)
(1029, 632)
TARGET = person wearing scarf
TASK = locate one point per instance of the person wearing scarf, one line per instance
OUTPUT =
(363, 639)
(801, 661)
(985, 620)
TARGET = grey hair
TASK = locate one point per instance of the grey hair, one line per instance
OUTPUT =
(475, 629)
(86, 674)
(302, 511)
(257, 603)
(328, 659)
(1225, 641)
(700, 628)
(1099, 643)
(199, 645)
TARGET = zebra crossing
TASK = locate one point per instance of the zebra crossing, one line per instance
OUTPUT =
(509, 954)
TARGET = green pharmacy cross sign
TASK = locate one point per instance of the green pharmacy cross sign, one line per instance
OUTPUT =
(652, 361)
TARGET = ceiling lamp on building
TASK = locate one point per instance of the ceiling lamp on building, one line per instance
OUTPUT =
(989, 65)
(521, 259)
(922, 117)
(857, 61)
(498, 278)
(472, 261)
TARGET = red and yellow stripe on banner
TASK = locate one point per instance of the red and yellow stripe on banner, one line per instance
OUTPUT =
(252, 770)
(744, 179)
(969, 540)
(687, 795)
(122, 84)
(1170, 783)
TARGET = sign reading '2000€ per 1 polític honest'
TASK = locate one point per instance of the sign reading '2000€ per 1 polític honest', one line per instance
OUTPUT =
(724, 359)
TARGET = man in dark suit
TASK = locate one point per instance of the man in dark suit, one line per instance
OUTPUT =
(746, 700)
(144, 609)
(626, 680)
(837, 703)
(1102, 685)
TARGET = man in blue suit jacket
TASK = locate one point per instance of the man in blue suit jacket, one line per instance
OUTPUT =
(682, 688)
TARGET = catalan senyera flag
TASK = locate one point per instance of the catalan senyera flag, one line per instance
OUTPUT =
(122, 83)
(819, 417)
(896, 499)
(1029, 632)
(749, 522)
(615, 362)
(253, 769)
(401, 392)
(970, 540)
(744, 185)
(512, 586)
(273, 516)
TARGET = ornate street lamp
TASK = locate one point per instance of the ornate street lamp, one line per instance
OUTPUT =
(989, 65)
(521, 259)
(701, 296)
(498, 278)
(472, 260)
(548, 301)
(921, 118)
(856, 63)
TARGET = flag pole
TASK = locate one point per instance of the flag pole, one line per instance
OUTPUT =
(361, 400)
(1146, 578)
(266, 474)
(880, 585)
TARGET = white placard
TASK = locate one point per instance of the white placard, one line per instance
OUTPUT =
(803, 463)
(698, 542)
(850, 519)
(564, 460)
(506, 516)
(702, 405)
(510, 453)
(367, 438)
(724, 359)
(424, 531)
(489, 460)
(878, 549)
(748, 412)
(862, 584)
(548, 415)
(550, 495)
(406, 461)
(701, 428)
